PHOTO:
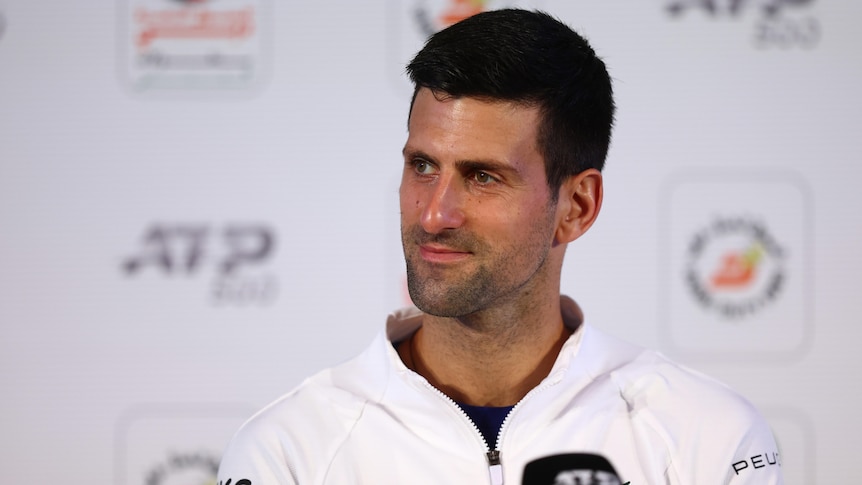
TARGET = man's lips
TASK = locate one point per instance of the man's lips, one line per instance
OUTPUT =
(434, 253)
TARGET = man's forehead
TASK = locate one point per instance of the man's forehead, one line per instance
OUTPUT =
(444, 96)
(467, 108)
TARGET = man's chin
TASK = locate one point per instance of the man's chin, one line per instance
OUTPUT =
(442, 311)
(448, 304)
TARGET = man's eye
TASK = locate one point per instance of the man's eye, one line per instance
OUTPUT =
(422, 167)
(483, 178)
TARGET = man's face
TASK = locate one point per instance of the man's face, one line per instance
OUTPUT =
(477, 220)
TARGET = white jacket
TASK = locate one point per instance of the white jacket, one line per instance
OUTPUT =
(373, 421)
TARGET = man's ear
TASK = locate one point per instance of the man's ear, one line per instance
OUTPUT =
(580, 199)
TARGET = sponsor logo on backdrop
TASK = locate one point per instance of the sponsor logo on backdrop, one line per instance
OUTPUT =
(735, 7)
(411, 22)
(242, 481)
(173, 444)
(735, 267)
(194, 468)
(735, 259)
(235, 258)
(193, 45)
(777, 23)
(433, 16)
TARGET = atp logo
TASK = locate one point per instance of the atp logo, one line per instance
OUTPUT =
(733, 7)
(779, 23)
(735, 267)
(236, 254)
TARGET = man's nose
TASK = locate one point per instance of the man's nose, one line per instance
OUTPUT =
(444, 209)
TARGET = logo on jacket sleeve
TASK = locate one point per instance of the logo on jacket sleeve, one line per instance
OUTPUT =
(243, 481)
(757, 461)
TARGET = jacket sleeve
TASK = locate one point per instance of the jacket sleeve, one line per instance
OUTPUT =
(255, 456)
(756, 459)
(713, 435)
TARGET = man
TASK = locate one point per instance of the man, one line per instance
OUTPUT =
(508, 130)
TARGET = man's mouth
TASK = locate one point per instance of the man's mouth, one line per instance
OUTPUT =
(436, 253)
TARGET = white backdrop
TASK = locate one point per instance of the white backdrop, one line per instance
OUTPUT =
(198, 208)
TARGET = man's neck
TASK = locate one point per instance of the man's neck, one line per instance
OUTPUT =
(493, 359)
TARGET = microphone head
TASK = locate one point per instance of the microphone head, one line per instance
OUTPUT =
(570, 469)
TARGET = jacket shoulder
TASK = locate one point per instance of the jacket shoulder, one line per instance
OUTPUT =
(707, 429)
(303, 428)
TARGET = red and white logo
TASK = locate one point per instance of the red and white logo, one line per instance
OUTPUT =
(413, 21)
(735, 265)
(193, 45)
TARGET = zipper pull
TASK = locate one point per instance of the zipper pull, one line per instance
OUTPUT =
(495, 467)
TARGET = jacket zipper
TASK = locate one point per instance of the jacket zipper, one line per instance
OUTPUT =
(495, 468)
(495, 465)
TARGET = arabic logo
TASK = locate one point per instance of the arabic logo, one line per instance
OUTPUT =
(735, 267)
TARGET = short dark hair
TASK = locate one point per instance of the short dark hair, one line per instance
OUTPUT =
(531, 58)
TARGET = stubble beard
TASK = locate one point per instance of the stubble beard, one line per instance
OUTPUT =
(449, 297)
(459, 292)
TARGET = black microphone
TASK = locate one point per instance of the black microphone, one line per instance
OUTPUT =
(571, 469)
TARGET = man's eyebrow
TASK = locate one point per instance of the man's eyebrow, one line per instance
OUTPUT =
(410, 153)
(489, 165)
(468, 165)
